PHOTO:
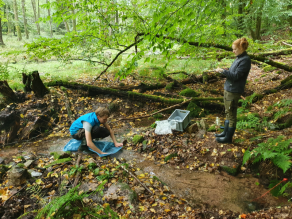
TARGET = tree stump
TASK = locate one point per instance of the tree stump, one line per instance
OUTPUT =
(34, 83)
(9, 125)
(7, 92)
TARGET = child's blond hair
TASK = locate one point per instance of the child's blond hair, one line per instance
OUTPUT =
(102, 111)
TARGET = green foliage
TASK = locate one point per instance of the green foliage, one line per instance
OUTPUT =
(75, 169)
(280, 189)
(4, 73)
(64, 160)
(212, 128)
(106, 176)
(21, 165)
(157, 179)
(153, 125)
(283, 103)
(188, 93)
(65, 206)
(91, 166)
(56, 155)
(277, 150)
(169, 86)
(281, 112)
(158, 116)
(96, 171)
(137, 139)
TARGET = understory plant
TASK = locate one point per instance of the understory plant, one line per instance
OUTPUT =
(73, 203)
(275, 149)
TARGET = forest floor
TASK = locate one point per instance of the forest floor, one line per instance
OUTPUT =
(180, 175)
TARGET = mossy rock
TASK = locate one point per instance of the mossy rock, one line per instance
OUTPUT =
(189, 93)
(113, 107)
(273, 91)
(170, 86)
(269, 68)
(58, 162)
(231, 170)
(21, 165)
(195, 110)
(167, 158)
(287, 79)
(60, 154)
(212, 128)
(138, 139)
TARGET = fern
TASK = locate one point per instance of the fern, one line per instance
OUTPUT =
(277, 150)
(283, 103)
(281, 112)
(56, 208)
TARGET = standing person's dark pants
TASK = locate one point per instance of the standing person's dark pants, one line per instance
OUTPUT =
(231, 104)
(96, 132)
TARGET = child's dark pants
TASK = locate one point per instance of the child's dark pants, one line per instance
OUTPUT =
(96, 132)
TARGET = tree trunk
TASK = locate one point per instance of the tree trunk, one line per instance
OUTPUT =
(9, 24)
(39, 10)
(24, 19)
(50, 21)
(289, 7)
(16, 20)
(10, 124)
(67, 26)
(73, 21)
(35, 16)
(258, 26)
(240, 12)
(223, 15)
(1, 38)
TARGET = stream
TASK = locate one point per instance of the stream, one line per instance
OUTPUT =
(214, 190)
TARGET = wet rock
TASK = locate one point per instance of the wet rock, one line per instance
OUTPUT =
(139, 172)
(17, 176)
(88, 187)
(35, 173)
(192, 128)
(177, 173)
(165, 150)
(121, 190)
(28, 163)
(1, 160)
(231, 168)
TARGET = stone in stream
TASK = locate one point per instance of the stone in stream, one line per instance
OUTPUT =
(28, 163)
(122, 190)
(17, 176)
(34, 173)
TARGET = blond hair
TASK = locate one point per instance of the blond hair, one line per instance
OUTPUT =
(241, 43)
(102, 111)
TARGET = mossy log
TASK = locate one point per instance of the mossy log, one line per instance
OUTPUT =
(285, 84)
(271, 62)
(142, 87)
(94, 90)
(276, 52)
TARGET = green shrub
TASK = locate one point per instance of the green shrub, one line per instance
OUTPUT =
(138, 139)
(212, 128)
(4, 73)
(153, 125)
(188, 93)
(158, 116)
(277, 150)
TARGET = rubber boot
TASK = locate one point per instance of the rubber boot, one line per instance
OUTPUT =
(226, 125)
(228, 137)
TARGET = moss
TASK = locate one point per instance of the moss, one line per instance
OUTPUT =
(113, 107)
(158, 116)
(188, 93)
(195, 110)
(214, 91)
(230, 170)
(212, 128)
(21, 165)
(273, 91)
(121, 84)
(245, 117)
(153, 125)
(3, 170)
(269, 108)
(205, 78)
(157, 179)
(58, 162)
(170, 86)
(264, 75)
(269, 68)
(132, 194)
(167, 158)
(56, 155)
(278, 72)
(137, 139)
(286, 79)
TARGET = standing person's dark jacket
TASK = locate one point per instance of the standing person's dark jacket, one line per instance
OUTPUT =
(237, 74)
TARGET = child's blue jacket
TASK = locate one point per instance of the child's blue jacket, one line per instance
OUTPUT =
(77, 124)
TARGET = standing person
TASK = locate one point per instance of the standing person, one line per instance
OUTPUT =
(88, 127)
(234, 87)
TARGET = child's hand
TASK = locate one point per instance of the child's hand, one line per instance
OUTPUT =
(118, 144)
(102, 153)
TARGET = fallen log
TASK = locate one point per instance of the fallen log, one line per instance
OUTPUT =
(7, 92)
(94, 90)
(276, 53)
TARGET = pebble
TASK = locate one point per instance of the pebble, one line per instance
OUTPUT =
(35, 174)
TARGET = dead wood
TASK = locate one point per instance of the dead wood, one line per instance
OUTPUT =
(286, 44)
(78, 173)
(285, 84)
(94, 90)
(7, 92)
(276, 53)
(33, 82)
(67, 104)
(9, 125)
